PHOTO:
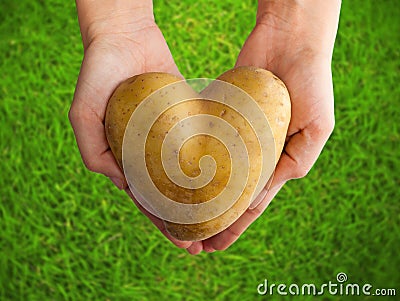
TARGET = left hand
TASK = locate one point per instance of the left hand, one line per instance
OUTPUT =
(118, 43)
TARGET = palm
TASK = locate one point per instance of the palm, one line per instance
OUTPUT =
(310, 86)
(108, 61)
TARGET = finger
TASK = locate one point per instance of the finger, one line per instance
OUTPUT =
(226, 238)
(259, 199)
(93, 145)
(154, 48)
(207, 247)
(86, 115)
(301, 152)
(262, 194)
(169, 67)
(299, 156)
(195, 248)
(253, 50)
(159, 224)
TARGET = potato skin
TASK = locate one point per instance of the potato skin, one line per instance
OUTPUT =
(269, 92)
(124, 101)
(272, 96)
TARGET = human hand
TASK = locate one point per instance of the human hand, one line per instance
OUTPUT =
(294, 40)
(119, 42)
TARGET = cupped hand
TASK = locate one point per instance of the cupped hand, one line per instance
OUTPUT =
(109, 59)
(301, 58)
(298, 54)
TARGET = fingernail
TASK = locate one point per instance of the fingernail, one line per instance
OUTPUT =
(117, 182)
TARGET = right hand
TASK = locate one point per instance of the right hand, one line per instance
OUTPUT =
(294, 40)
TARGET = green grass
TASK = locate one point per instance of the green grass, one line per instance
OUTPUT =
(68, 234)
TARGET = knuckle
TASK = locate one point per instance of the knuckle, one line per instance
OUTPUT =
(329, 126)
(72, 114)
(300, 172)
(91, 164)
(322, 128)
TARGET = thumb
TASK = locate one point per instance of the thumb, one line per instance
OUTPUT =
(253, 52)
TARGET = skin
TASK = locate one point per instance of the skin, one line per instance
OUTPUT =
(293, 39)
(120, 39)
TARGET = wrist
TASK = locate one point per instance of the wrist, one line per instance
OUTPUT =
(304, 26)
(112, 17)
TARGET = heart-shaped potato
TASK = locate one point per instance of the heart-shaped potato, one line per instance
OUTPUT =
(231, 151)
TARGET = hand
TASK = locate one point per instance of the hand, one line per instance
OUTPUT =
(294, 41)
(117, 45)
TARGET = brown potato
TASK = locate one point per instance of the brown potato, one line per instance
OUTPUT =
(128, 95)
(266, 89)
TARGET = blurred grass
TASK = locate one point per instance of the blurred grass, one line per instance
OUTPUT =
(68, 234)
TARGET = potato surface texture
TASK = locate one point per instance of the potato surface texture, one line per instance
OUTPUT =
(124, 101)
(260, 85)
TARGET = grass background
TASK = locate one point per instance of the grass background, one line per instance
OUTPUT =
(68, 234)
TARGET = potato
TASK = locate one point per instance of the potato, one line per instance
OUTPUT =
(128, 95)
(271, 96)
